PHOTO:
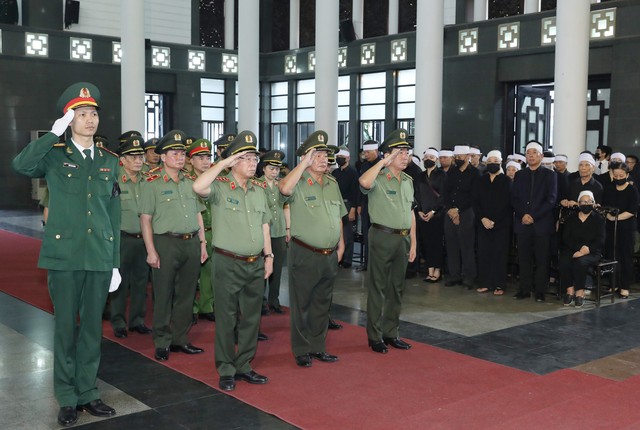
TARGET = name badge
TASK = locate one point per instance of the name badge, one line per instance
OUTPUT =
(309, 198)
(72, 166)
(124, 192)
(391, 192)
(233, 201)
(165, 192)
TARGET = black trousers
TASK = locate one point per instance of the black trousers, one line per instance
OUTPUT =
(493, 252)
(533, 259)
(573, 271)
(347, 233)
(460, 239)
(623, 253)
(431, 241)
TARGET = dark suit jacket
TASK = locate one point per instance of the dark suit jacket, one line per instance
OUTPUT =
(538, 202)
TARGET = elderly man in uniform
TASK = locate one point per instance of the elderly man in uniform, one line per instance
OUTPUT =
(81, 245)
(317, 246)
(174, 237)
(392, 238)
(133, 265)
(242, 244)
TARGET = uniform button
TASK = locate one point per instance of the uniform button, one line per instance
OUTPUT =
(89, 231)
(69, 175)
(106, 178)
(168, 200)
(89, 177)
(57, 236)
(89, 213)
(89, 195)
(111, 238)
(184, 206)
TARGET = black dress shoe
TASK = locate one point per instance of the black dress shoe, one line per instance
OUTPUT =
(452, 282)
(378, 347)
(265, 310)
(187, 348)
(323, 356)
(194, 319)
(120, 332)
(334, 325)
(277, 309)
(227, 383)
(141, 329)
(209, 316)
(539, 297)
(520, 295)
(262, 336)
(162, 354)
(303, 360)
(396, 343)
(251, 377)
(346, 265)
(67, 416)
(97, 408)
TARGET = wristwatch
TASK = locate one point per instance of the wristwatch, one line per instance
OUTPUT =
(269, 255)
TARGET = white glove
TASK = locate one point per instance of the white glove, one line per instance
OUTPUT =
(61, 124)
(115, 280)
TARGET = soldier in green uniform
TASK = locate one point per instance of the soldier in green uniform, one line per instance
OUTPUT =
(81, 245)
(392, 239)
(133, 265)
(316, 248)
(151, 157)
(200, 154)
(241, 237)
(222, 143)
(174, 238)
(279, 225)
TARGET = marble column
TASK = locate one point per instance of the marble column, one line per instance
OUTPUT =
(132, 68)
(294, 24)
(326, 71)
(248, 66)
(229, 24)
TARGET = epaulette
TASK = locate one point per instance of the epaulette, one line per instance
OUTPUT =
(151, 177)
(381, 173)
(155, 169)
(144, 173)
(102, 148)
(222, 179)
(59, 145)
(190, 176)
(407, 175)
(331, 178)
(261, 184)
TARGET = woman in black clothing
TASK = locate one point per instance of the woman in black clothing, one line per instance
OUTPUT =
(492, 206)
(582, 244)
(624, 197)
(430, 221)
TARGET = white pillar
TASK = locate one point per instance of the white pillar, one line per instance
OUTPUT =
(229, 24)
(532, 6)
(326, 73)
(294, 24)
(480, 10)
(248, 65)
(394, 13)
(571, 77)
(357, 16)
(132, 68)
(429, 61)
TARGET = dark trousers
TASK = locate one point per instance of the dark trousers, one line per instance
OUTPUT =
(279, 249)
(493, 252)
(347, 233)
(134, 271)
(533, 259)
(460, 239)
(430, 241)
(573, 271)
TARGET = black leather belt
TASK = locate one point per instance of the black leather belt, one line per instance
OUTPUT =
(323, 251)
(136, 235)
(400, 231)
(183, 236)
(245, 258)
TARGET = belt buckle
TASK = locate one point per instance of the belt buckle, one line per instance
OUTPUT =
(404, 232)
(326, 251)
(251, 258)
(187, 236)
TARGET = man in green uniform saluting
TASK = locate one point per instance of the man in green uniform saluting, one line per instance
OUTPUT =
(240, 217)
(81, 245)
(392, 240)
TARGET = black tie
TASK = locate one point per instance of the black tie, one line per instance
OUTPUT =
(87, 157)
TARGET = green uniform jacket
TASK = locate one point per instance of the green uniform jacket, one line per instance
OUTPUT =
(276, 201)
(129, 198)
(83, 228)
(390, 200)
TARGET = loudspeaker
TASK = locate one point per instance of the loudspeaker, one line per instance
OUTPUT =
(71, 12)
(347, 33)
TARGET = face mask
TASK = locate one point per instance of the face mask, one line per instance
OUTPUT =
(460, 163)
(493, 167)
(341, 161)
(585, 209)
(428, 164)
(620, 181)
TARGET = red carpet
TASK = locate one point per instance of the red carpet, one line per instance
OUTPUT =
(425, 387)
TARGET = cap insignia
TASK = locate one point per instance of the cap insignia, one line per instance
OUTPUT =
(136, 142)
(277, 156)
(403, 135)
(320, 138)
(248, 138)
(204, 145)
(84, 93)
(230, 138)
(177, 137)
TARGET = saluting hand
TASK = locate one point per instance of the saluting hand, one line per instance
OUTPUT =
(61, 124)
(307, 159)
(232, 160)
(388, 160)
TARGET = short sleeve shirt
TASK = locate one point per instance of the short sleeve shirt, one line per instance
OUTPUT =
(390, 200)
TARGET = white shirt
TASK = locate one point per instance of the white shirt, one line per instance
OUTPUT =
(82, 148)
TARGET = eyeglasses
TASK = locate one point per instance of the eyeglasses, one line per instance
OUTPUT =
(250, 158)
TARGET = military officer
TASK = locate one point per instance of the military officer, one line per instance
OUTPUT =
(222, 143)
(151, 158)
(243, 256)
(122, 139)
(133, 266)
(392, 237)
(81, 245)
(174, 238)
(200, 154)
(279, 225)
(316, 209)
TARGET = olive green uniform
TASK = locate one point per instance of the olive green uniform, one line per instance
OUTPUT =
(278, 230)
(173, 207)
(203, 303)
(316, 219)
(238, 219)
(80, 248)
(133, 268)
(390, 204)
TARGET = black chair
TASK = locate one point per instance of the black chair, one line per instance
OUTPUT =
(606, 267)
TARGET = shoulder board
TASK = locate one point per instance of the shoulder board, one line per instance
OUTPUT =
(406, 176)
(146, 174)
(59, 145)
(222, 179)
(102, 148)
(381, 173)
(331, 178)
(151, 177)
(259, 183)
(155, 169)
(190, 176)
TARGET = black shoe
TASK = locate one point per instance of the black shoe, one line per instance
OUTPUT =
(396, 343)
(120, 332)
(162, 354)
(452, 282)
(142, 329)
(265, 310)
(539, 297)
(469, 285)
(67, 416)
(262, 336)
(97, 408)
(227, 383)
(251, 377)
(186, 348)
(334, 325)
(410, 275)
(346, 265)
(194, 319)
(579, 301)
(323, 356)
(303, 360)
(520, 296)
(378, 346)
(209, 316)
(277, 309)
(568, 299)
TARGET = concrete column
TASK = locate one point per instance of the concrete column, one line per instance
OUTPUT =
(248, 66)
(429, 61)
(571, 78)
(326, 73)
(357, 16)
(132, 68)
(294, 24)
(230, 24)
(394, 13)
(480, 10)
(532, 6)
